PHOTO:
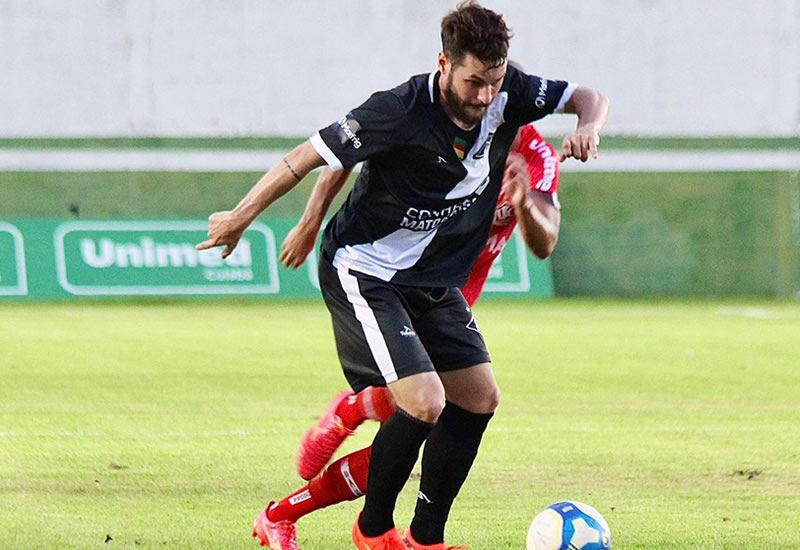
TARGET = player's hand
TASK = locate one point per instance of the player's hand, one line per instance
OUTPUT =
(224, 229)
(298, 245)
(516, 179)
(580, 145)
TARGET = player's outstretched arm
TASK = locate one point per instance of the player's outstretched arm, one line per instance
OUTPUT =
(226, 228)
(591, 107)
(538, 216)
(300, 241)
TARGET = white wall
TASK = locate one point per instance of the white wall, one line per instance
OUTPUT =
(264, 67)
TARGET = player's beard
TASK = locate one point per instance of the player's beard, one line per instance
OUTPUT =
(468, 113)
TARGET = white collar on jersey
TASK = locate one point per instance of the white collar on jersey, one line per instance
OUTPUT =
(431, 80)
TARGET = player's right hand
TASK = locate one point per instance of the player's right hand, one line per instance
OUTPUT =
(298, 245)
(224, 229)
(580, 145)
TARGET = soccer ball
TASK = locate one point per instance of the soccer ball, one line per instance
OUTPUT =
(569, 526)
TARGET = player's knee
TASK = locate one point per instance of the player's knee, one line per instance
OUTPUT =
(483, 402)
(425, 405)
(492, 400)
(421, 396)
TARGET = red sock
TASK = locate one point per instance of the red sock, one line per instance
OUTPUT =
(376, 403)
(292, 507)
(373, 402)
(344, 479)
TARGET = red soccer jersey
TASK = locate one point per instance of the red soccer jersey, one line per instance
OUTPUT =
(544, 169)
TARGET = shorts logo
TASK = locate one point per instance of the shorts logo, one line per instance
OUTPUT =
(348, 128)
(407, 332)
(423, 496)
(473, 325)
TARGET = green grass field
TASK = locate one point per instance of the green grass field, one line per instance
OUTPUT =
(172, 424)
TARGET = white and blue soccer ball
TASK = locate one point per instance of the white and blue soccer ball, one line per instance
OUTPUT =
(569, 526)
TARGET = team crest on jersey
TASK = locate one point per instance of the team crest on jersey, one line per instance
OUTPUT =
(460, 147)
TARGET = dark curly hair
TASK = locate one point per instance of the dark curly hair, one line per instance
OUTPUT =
(471, 28)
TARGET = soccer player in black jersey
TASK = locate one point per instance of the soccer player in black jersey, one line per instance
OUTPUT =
(394, 255)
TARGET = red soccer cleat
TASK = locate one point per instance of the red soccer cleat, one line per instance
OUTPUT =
(414, 545)
(322, 440)
(278, 535)
(390, 540)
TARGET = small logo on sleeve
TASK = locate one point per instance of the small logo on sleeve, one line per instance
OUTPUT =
(541, 95)
(348, 130)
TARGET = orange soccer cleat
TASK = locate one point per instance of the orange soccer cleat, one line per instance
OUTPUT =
(390, 540)
(414, 545)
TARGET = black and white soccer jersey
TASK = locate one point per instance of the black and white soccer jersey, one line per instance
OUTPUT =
(421, 209)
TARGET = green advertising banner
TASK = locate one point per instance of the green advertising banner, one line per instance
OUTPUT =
(56, 259)
(156, 258)
(13, 277)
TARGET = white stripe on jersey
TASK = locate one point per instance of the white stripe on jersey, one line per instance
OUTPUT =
(325, 152)
(372, 332)
(566, 95)
(383, 258)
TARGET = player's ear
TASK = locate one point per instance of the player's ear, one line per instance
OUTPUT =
(443, 62)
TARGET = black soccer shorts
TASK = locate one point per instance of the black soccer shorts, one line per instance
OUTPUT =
(385, 332)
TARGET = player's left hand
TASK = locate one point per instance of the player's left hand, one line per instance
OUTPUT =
(298, 245)
(580, 145)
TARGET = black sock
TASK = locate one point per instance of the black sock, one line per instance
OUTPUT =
(449, 453)
(394, 452)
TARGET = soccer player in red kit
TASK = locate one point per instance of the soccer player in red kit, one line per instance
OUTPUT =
(529, 199)
(541, 162)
